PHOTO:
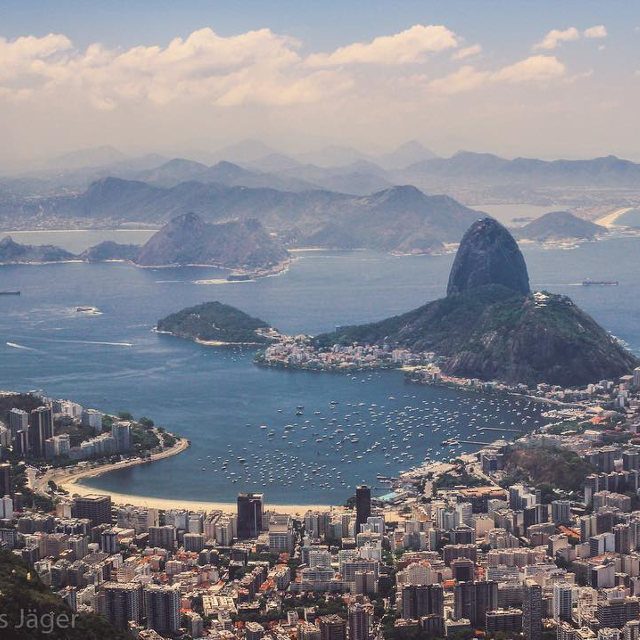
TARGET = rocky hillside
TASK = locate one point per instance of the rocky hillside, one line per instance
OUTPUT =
(215, 322)
(108, 250)
(400, 218)
(23, 593)
(491, 327)
(188, 239)
(13, 252)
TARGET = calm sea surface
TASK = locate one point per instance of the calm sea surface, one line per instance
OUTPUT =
(240, 418)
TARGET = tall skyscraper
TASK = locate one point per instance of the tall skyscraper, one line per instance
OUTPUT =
(562, 601)
(40, 429)
(162, 606)
(96, 508)
(18, 420)
(121, 433)
(249, 515)
(561, 511)
(360, 619)
(332, 627)
(5, 479)
(363, 505)
(532, 610)
(422, 600)
(472, 600)
(21, 443)
(123, 603)
(163, 536)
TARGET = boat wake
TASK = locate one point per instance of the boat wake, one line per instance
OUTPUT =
(99, 342)
(15, 345)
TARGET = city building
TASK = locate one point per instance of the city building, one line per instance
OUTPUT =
(250, 507)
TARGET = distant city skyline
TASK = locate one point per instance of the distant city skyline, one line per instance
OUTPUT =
(531, 79)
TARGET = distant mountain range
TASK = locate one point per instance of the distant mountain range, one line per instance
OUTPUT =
(396, 219)
(253, 164)
(487, 169)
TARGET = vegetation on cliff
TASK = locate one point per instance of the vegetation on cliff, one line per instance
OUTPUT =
(23, 593)
(491, 327)
(546, 464)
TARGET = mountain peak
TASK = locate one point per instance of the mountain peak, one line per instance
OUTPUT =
(488, 254)
(187, 239)
(404, 193)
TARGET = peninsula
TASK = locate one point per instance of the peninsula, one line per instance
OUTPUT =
(490, 326)
(239, 245)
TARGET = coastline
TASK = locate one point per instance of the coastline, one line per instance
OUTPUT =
(206, 343)
(70, 479)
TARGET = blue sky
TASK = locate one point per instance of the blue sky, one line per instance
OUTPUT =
(511, 96)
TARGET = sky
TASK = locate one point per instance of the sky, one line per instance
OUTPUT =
(513, 77)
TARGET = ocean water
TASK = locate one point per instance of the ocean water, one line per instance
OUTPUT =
(352, 428)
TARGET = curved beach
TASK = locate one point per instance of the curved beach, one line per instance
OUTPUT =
(70, 479)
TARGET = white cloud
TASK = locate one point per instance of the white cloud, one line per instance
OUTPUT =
(535, 69)
(464, 79)
(555, 37)
(409, 46)
(598, 31)
(467, 52)
(206, 89)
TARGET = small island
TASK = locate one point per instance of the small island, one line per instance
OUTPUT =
(217, 324)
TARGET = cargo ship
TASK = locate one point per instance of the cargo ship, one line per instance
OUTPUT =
(9, 293)
(599, 283)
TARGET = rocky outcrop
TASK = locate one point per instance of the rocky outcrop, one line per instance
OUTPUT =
(488, 254)
(13, 252)
(187, 239)
(109, 251)
(491, 327)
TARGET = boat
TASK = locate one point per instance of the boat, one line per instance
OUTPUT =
(599, 283)
(9, 293)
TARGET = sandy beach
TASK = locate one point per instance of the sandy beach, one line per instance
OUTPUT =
(610, 220)
(70, 479)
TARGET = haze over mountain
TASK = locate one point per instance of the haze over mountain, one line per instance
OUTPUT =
(405, 155)
(491, 327)
(187, 239)
(466, 167)
(184, 240)
(559, 225)
(13, 252)
(227, 173)
(401, 218)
